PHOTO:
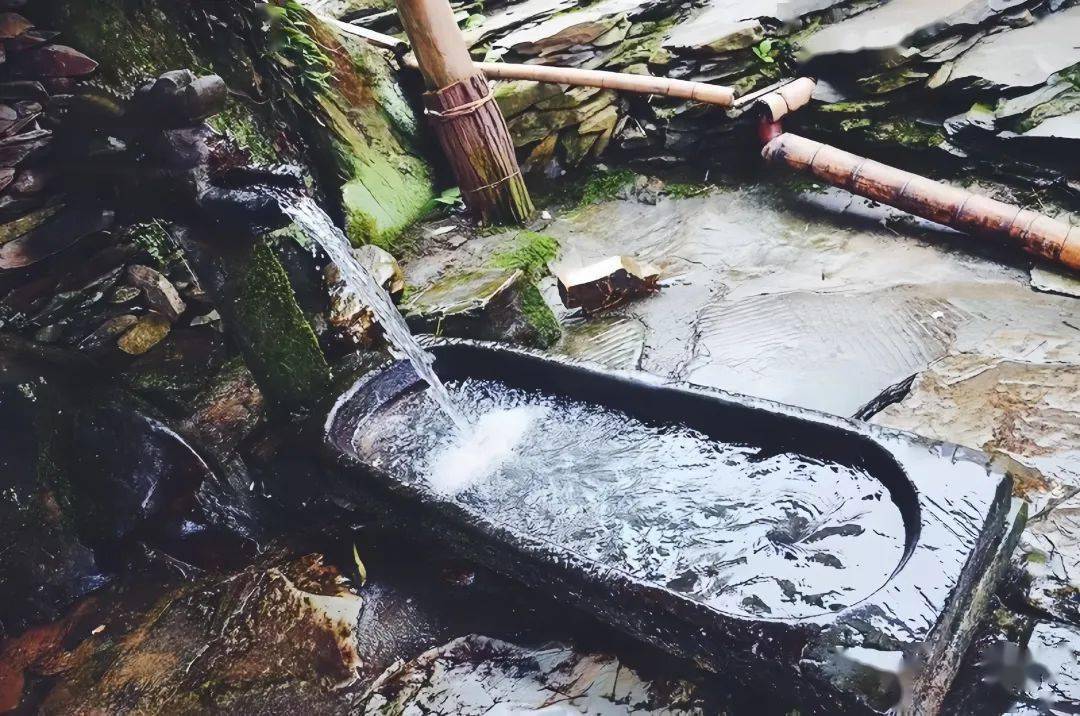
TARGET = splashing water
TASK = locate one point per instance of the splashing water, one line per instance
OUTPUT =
(482, 449)
(320, 228)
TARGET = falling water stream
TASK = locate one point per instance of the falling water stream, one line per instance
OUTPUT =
(319, 227)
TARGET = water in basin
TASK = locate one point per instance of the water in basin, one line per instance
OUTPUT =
(767, 536)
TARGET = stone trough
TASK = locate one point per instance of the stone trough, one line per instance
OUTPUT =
(817, 563)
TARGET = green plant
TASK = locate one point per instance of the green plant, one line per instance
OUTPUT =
(767, 51)
(605, 186)
(292, 42)
(678, 190)
(450, 198)
(154, 239)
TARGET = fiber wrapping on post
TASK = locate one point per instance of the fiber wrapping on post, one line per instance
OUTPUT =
(465, 118)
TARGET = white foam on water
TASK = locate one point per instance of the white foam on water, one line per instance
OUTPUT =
(476, 452)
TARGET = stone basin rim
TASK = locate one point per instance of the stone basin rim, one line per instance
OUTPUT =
(903, 492)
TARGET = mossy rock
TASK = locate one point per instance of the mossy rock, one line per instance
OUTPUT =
(373, 133)
(531, 253)
(137, 40)
(44, 566)
(493, 305)
(348, 123)
(278, 344)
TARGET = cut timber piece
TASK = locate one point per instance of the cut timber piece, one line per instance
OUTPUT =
(607, 283)
(943, 204)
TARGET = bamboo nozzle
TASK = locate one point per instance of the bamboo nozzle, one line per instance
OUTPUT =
(943, 204)
(786, 99)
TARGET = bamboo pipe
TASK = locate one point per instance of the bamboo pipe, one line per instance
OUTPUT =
(943, 204)
(642, 84)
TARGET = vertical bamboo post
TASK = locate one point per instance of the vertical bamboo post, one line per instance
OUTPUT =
(466, 119)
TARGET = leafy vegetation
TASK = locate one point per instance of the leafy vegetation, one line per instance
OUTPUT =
(605, 185)
(775, 57)
(154, 240)
(292, 42)
(767, 51)
(679, 190)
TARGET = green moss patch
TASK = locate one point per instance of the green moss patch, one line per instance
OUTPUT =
(246, 130)
(539, 315)
(605, 186)
(679, 190)
(152, 239)
(531, 253)
(385, 185)
(278, 343)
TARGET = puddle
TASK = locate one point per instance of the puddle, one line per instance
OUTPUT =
(775, 536)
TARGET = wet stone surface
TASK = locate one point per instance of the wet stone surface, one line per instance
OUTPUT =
(810, 298)
(476, 675)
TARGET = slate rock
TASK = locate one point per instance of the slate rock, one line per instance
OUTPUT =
(495, 304)
(276, 637)
(24, 89)
(30, 39)
(54, 235)
(1055, 650)
(52, 61)
(128, 468)
(150, 330)
(105, 335)
(714, 37)
(1022, 57)
(900, 24)
(44, 566)
(14, 150)
(160, 294)
(476, 674)
(13, 25)
(180, 98)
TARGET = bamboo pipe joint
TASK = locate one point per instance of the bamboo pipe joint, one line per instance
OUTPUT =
(791, 97)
